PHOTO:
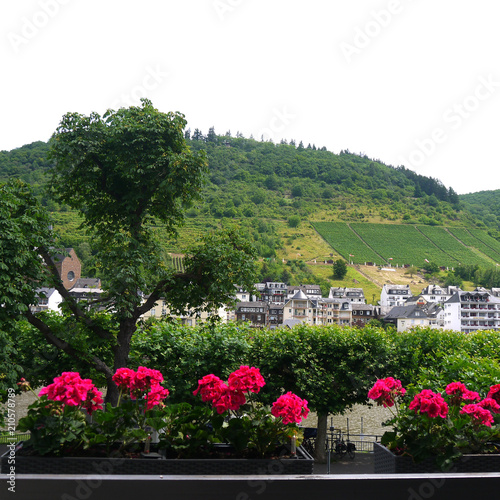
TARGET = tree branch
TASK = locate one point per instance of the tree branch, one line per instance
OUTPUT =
(65, 347)
(69, 299)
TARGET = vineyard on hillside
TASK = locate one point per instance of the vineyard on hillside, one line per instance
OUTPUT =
(401, 245)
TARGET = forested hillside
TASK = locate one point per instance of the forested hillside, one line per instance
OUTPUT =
(273, 190)
(250, 178)
(485, 206)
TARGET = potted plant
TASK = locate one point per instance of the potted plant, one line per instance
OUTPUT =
(431, 431)
(72, 431)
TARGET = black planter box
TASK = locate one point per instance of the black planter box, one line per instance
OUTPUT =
(303, 464)
(385, 462)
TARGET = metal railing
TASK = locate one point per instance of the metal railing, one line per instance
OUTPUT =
(13, 438)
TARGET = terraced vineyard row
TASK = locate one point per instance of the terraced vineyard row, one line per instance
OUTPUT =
(403, 244)
(476, 239)
(409, 245)
(449, 244)
(346, 242)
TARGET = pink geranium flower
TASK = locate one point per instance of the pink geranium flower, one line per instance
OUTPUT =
(246, 379)
(494, 393)
(460, 393)
(478, 413)
(490, 404)
(210, 388)
(71, 390)
(290, 408)
(385, 391)
(430, 403)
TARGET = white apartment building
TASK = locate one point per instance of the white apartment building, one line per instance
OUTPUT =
(353, 295)
(49, 299)
(392, 296)
(436, 293)
(471, 311)
(302, 309)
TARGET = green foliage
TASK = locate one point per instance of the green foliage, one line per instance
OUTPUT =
(24, 226)
(137, 157)
(331, 367)
(55, 429)
(479, 373)
(10, 367)
(294, 221)
(339, 269)
(431, 268)
(187, 431)
(485, 206)
(178, 350)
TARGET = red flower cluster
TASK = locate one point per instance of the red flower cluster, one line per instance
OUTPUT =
(246, 379)
(72, 390)
(490, 404)
(143, 381)
(385, 391)
(478, 413)
(460, 393)
(230, 396)
(290, 408)
(211, 388)
(494, 393)
(431, 403)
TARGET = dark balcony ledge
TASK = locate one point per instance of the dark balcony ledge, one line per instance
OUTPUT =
(264, 487)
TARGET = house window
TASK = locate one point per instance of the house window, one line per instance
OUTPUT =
(71, 276)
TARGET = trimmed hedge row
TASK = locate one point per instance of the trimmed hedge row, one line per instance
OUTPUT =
(332, 367)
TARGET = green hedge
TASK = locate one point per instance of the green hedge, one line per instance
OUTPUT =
(332, 367)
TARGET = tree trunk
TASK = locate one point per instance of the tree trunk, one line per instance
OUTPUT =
(112, 393)
(121, 352)
(320, 449)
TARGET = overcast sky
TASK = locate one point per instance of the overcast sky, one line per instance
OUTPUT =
(408, 82)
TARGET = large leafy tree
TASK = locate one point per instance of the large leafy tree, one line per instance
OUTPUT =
(123, 172)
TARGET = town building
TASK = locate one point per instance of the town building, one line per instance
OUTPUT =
(416, 312)
(312, 291)
(161, 310)
(88, 289)
(318, 311)
(275, 317)
(257, 313)
(392, 296)
(363, 313)
(274, 292)
(49, 299)
(354, 295)
(436, 293)
(471, 311)
(69, 267)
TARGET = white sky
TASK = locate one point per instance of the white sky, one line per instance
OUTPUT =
(412, 82)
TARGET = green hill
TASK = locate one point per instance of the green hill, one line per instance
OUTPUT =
(485, 206)
(362, 209)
